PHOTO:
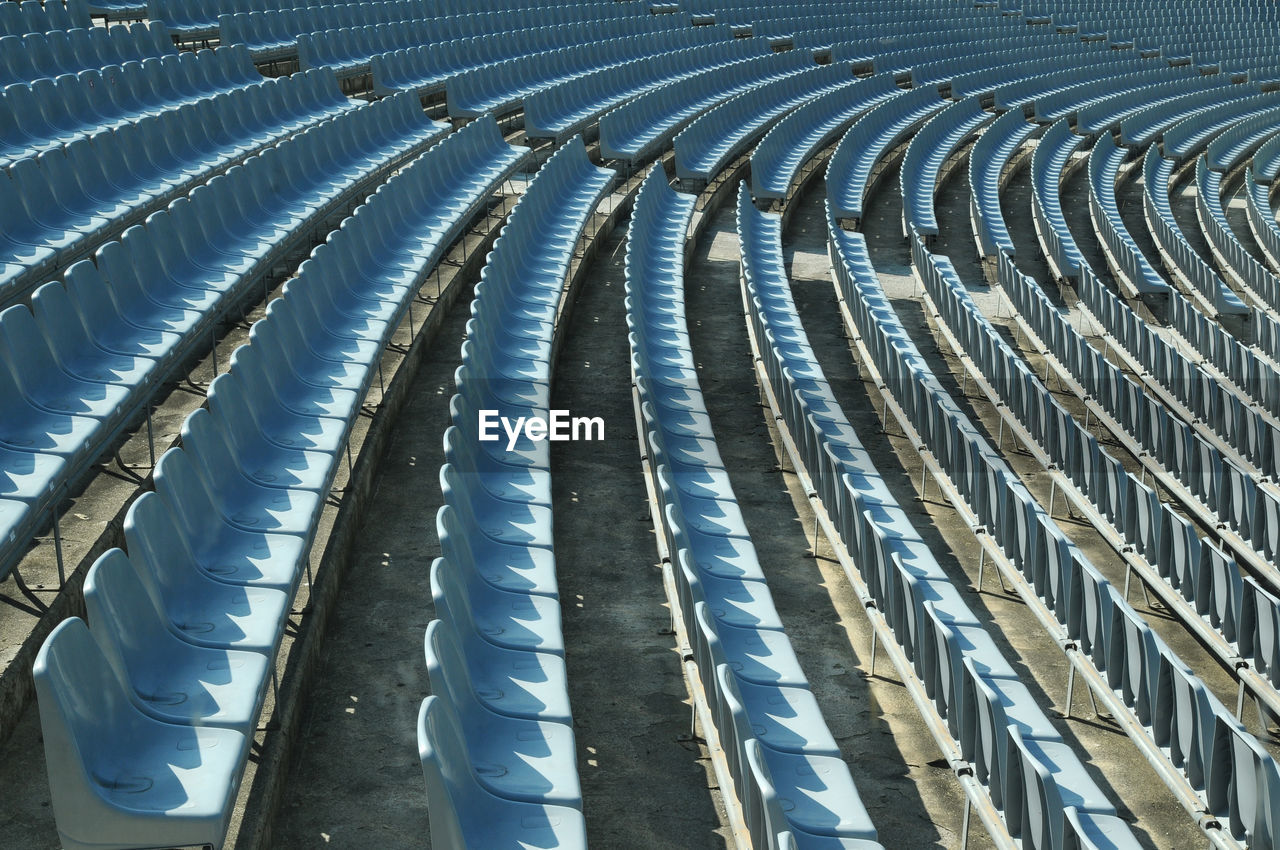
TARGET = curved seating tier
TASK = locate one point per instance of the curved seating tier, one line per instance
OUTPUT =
(124, 322)
(50, 54)
(1223, 241)
(1127, 503)
(795, 139)
(32, 16)
(1192, 134)
(1109, 95)
(152, 193)
(1048, 163)
(426, 68)
(987, 163)
(499, 87)
(1033, 76)
(1157, 183)
(496, 749)
(276, 33)
(49, 112)
(1266, 161)
(1130, 263)
(1262, 218)
(1236, 604)
(1242, 139)
(1230, 491)
(81, 191)
(990, 66)
(565, 109)
(198, 605)
(1097, 117)
(850, 169)
(1141, 128)
(927, 154)
(987, 709)
(786, 767)
(1111, 636)
(717, 137)
(645, 123)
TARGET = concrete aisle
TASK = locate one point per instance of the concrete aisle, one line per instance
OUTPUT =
(644, 779)
(356, 781)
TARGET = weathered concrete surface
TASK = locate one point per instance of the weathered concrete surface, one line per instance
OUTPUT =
(356, 780)
(644, 778)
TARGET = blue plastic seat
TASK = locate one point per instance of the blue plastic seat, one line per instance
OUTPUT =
(105, 323)
(252, 499)
(464, 814)
(268, 463)
(230, 398)
(737, 603)
(288, 390)
(13, 20)
(518, 683)
(26, 426)
(138, 299)
(502, 481)
(35, 367)
(168, 678)
(1045, 780)
(465, 415)
(208, 612)
(284, 343)
(161, 250)
(87, 160)
(785, 806)
(516, 758)
(40, 231)
(512, 523)
(30, 477)
(119, 778)
(989, 708)
(518, 569)
(758, 656)
(182, 518)
(512, 620)
(28, 105)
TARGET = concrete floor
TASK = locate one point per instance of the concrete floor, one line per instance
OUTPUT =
(645, 778)
(357, 781)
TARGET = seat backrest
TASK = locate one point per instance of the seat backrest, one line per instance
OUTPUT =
(444, 757)
(772, 819)
(78, 12)
(23, 341)
(12, 20)
(209, 450)
(57, 317)
(86, 719)
(734, 728)
(450, 597)
(122, 617)
(181, 501)
(449, 671)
